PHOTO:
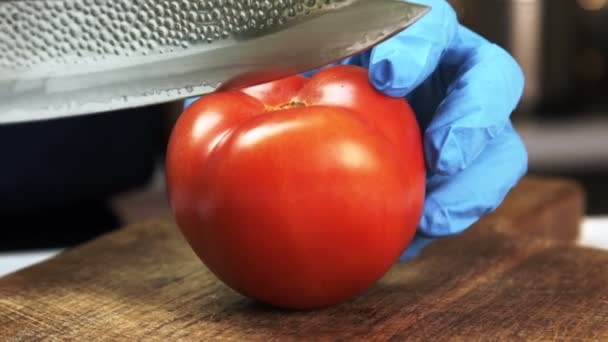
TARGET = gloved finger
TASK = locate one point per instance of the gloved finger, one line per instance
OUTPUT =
(484, 85)
(189, 101)
(418, 244)
(455, 202)
(403, 62)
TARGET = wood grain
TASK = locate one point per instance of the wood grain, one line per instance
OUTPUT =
(503, 279)
(551, 208)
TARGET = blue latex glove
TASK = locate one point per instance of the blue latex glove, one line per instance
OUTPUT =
(463, 89)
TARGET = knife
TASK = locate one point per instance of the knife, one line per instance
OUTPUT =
(62, 58)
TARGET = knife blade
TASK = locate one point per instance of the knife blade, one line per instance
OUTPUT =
(62, 58)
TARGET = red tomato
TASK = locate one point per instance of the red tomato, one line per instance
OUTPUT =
(299, 193)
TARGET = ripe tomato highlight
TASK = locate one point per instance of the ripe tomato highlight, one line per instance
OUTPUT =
(300, 193)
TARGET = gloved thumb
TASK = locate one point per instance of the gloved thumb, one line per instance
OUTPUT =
(403, 62)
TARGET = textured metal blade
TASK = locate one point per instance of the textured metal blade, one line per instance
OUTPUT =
(70, 57)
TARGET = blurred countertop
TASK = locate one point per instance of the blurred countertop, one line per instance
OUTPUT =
(594, 234)
(574, 144)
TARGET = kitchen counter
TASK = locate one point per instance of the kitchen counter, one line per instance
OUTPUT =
(150, 203)
(594, 234)
(515, 274)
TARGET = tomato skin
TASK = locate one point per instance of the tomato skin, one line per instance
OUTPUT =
(300, 193)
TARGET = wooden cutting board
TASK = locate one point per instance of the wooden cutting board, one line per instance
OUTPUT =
(515, 275)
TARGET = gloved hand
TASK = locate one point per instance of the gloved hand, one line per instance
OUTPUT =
(463, 89)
